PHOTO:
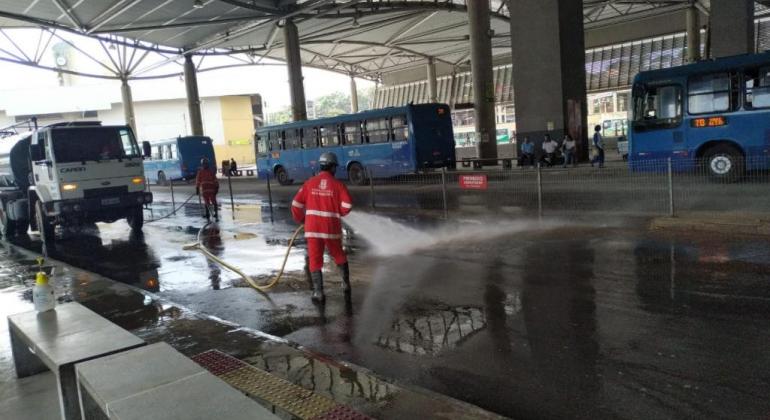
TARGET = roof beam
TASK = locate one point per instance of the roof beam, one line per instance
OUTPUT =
(114, 11)
(68, 12)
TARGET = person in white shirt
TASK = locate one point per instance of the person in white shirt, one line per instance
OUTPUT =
(549, 150)
(568, 149)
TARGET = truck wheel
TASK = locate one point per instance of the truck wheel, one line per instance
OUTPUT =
(136, 219)
(22, 226)
(282, 176)
(44, 227)
(162, 178)
(724, 163)
(356, 174)
(7, 226)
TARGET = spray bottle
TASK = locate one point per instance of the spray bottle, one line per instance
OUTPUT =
(43, 294)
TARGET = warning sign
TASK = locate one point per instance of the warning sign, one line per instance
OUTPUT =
(473, 182)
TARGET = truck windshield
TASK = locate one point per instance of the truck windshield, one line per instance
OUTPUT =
(80, 144)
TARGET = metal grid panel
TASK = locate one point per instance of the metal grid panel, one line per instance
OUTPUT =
(257, 383)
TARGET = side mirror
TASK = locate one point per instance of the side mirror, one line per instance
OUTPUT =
(146, 149)
(35, 153)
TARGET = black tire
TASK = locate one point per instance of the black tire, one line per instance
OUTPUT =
(22, 226)
(7, 226)
(44, 227)
(357, 175)
(135, 219)
(162, 180)
(724, 163)
(282, 176)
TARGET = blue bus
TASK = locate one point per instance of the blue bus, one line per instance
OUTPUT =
(178, 158)
(387, 142)
(713, 114)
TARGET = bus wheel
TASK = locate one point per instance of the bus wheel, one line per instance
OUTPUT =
(724, 163)
(282, 176)
(7, 226)
(162, 178)
(356, 174)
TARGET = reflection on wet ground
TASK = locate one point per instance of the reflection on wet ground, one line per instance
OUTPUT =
(579, 322)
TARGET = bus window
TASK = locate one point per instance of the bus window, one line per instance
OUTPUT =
(292, 139)
(658, 106)
(173, 151)
(309, 139)
(400, 128)
(262, 148)
(758, 88)
(352, 131)
(377, 130)
(709, 93)
(274, 137)
(329, 137)
(157, 153)
(166, 152)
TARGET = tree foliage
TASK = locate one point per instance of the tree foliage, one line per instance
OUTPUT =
(330, 105)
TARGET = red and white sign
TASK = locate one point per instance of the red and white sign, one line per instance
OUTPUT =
(473, 182)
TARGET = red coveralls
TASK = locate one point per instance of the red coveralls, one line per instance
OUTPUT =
(206, 181)
(320, 204)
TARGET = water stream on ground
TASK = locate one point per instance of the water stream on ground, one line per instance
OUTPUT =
(388, 237)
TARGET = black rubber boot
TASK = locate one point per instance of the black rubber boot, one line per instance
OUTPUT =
(216, 213)
(318, 287)
(345, 273)
(206, 215)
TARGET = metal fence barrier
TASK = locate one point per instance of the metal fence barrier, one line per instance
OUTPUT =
(654, 187)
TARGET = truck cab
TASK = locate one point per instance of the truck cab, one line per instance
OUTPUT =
(82, 172)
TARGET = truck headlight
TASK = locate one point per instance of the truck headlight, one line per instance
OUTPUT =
(137, 180)
(69, 187)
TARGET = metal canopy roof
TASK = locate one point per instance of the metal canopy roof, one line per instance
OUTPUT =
(366, 38)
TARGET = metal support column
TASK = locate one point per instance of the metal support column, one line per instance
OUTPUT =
(432, 83)
(481, 74)
(732, 27)
(193, 98)
(128, 105)
(294, 65)
(353, 95)
(693, 34)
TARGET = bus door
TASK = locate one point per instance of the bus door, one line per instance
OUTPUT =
(311, 150)
(756, 117)
(353, 149)
(329, 135)
(378, 152)
(292, 157)
(402, 150)
(658, 129)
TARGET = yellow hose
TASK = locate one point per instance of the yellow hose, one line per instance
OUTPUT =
(199, 246)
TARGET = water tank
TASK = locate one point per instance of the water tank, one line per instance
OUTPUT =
(14, 161)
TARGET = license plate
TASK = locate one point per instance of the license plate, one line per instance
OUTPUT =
(110, 201)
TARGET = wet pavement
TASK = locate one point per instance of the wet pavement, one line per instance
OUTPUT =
(579, 321)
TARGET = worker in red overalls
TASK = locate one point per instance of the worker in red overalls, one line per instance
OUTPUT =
(207, 185)
(320, 204)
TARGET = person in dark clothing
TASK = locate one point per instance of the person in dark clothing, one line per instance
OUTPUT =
(599, 146)
(233, 171)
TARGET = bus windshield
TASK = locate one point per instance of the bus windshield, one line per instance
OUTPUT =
(655, 105)
(93, 143)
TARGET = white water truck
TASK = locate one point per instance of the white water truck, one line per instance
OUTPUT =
(70, 175)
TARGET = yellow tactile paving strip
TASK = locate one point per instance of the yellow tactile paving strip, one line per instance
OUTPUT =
(257, 383)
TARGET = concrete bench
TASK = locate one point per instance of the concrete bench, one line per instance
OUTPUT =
(57, 340)
(157, 382)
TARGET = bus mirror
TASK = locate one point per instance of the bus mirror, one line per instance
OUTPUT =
(146, 149)
(35, 152)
